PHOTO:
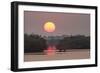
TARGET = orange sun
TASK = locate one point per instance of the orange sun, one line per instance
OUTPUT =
(49, 27)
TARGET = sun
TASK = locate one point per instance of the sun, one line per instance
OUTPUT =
(49, 27)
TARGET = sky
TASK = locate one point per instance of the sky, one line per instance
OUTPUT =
(65, 23)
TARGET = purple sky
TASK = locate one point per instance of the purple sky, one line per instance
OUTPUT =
(66, 23)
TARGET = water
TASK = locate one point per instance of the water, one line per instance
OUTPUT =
(51, 50)
(52, 54)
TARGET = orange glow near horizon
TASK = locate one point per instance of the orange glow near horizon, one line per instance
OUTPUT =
(49, 27)
(50, 51)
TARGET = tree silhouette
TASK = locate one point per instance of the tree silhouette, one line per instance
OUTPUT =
(34, 43)
(74, 42)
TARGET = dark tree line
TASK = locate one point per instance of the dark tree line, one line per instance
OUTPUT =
(37, 43)
(34, 43)
(74, 42)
